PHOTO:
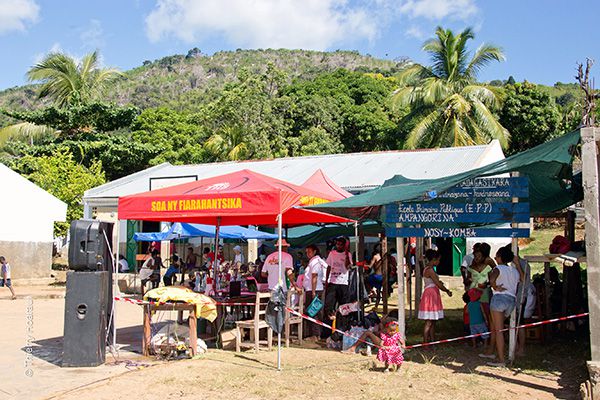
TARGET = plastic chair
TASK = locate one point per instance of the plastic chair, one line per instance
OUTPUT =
(293, 319)
(255, 325)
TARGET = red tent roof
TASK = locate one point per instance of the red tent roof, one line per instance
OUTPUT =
(321, 183)
(240, 198)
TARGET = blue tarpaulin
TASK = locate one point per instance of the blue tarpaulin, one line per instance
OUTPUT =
(185, 230)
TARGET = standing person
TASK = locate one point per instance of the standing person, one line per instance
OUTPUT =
(466, 263)
(478, 320)
(190, 263)
(478, 275)
(431, 308)
(375, 278)
(504, 280)
(271, 267)
(313, 287)
(156, 266)
(5, 276)
(336, 292)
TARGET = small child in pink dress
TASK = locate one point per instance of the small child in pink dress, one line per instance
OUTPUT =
(390, 343)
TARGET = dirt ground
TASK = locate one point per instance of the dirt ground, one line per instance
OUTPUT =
(448, 372)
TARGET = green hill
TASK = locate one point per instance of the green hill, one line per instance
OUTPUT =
(179, 81)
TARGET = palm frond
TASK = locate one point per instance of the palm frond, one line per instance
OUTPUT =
(424, 129)
(489, 124)
(484, 54)
(482, 93)
(24, 129)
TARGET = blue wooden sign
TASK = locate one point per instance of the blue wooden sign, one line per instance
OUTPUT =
(457, 232)
(445, 213)
(485, 188)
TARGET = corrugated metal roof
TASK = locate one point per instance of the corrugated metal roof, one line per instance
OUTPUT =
(353, 172)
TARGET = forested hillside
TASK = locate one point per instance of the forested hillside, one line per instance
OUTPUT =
(93, 124)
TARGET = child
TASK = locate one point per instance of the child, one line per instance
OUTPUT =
(390, 343)
(466, 327)
(5, 276)
(478, 322)
(430, 307)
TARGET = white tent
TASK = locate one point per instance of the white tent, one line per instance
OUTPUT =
(27, 216)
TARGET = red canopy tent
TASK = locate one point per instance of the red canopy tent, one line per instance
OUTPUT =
(240, 198)
(323, 184)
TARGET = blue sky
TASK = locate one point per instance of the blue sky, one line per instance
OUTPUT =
(542, 40)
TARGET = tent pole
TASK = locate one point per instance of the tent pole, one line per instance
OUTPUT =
(279, 229)
(116, 285)
(357, 270)
(216, 252)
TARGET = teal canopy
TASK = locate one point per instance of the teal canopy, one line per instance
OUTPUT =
(549, 168)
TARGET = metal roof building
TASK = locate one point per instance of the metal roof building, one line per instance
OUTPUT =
(355, 172)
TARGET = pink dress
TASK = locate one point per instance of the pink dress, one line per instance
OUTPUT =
(393, 354)
(431, 307)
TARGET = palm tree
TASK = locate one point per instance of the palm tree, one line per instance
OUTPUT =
(227, 145)
(69, 82)
(450, 107)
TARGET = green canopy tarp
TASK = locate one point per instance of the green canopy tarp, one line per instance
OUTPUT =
(548, 166)
(302, 236)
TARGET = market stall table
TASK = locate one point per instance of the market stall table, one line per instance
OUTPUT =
(149, 309)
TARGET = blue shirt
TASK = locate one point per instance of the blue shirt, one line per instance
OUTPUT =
(475, 314)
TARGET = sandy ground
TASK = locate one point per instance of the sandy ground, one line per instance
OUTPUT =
(452, 372)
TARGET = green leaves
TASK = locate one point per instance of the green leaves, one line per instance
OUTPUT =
(449, 106)
(62, 177)
(67, 82)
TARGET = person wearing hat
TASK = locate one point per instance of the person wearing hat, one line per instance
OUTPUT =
(271, 267)
(238, 258)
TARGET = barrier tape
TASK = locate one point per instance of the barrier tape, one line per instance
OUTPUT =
(414, 346)
(145, 302)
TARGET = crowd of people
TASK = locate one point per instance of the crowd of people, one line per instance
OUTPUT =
(493, 287)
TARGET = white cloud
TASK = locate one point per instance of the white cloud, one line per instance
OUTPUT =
(439, 9)
(309, 24)
(16, 14)
(93, 36)
(415, 32)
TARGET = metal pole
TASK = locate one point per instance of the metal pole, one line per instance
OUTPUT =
(279, 229)
(357, 270)
(215, 261)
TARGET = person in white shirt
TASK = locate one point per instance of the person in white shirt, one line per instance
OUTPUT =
(238, 258)
(123, 264)
(338, 262)
(271, 267)
(312, 285)
(504, 280)
(5, 276)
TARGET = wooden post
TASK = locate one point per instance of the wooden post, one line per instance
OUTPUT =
(147, 331)
(418, 277)
(512, 333)
(400, 266)
(193, 332)
(384, 266)
(409, 285)
(547, 306)
(591, 202)
(360, 252)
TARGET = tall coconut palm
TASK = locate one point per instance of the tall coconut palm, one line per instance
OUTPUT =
(70, 82)
(449, 106)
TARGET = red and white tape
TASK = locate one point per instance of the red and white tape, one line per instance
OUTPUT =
(548, 321)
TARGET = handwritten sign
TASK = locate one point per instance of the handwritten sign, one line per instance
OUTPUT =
(485, 188)
(437, 213)
(457, 232)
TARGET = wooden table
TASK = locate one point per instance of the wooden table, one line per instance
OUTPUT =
(180, 308)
